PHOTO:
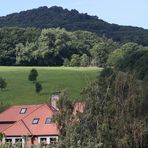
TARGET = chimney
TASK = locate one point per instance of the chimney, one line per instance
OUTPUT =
(54, 99)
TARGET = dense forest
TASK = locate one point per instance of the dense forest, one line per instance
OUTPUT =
(52, 47)
(45, 17)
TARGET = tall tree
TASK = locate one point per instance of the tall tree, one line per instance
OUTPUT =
(100, 52)
(85, 61)
(75, 60)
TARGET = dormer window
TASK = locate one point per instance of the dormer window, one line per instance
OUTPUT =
(23, 110)
(35, 121)
(48, 121)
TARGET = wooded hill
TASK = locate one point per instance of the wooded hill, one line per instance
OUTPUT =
(44, 17)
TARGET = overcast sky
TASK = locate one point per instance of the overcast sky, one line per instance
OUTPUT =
(123, 12)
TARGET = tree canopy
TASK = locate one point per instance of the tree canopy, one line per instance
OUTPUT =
(48, 47)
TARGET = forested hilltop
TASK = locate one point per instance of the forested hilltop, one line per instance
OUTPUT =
(45, 17)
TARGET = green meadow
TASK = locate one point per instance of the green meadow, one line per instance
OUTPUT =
(21, 91)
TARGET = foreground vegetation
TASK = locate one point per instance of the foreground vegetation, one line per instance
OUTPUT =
(21, 91)
(115, 114)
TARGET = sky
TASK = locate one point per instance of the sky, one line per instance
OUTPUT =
(123, 12)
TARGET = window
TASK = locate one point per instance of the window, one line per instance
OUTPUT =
(35, 121)
(43, 140)
(48, 121)
(8, 140)
(23, 110)
(53, 140)
(18, 140)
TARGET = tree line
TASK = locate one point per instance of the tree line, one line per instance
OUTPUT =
(50, 47)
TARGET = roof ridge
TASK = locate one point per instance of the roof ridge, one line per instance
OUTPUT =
(19, 106)
(33, 111)
(27, 127)
(27, 105)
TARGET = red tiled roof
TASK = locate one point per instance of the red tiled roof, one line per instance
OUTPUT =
(4, 126)
(17, 129)
(41, 128)
(24, 126)
(13, 113)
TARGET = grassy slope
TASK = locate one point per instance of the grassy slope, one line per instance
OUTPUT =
(22, 91)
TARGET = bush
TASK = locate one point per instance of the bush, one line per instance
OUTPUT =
(33, 75)
(3, 83)
(38, 87)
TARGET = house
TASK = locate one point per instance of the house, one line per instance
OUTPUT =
(31, 124)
